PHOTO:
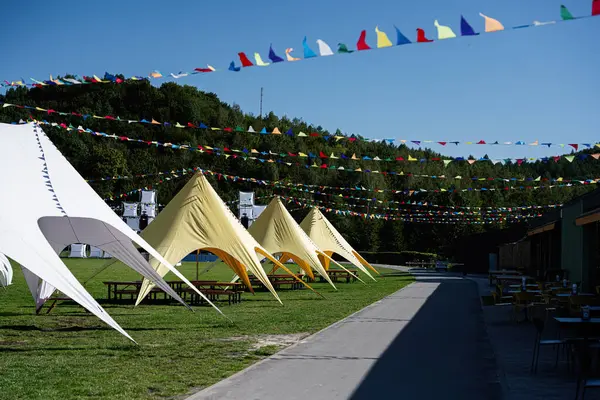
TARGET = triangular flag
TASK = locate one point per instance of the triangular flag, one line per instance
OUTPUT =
(465, 28)
(421, 36)
(324, 48)
(596, 7)
(362, 41)
(382, 39)
(274, 57)
(491, 24)
(574, 145)
(471, 161)
(343, 49)
(302, 134)
(233, 68)
(259, 60)
(244, 60)
(565, 14)
(444, 32)
(308, 53)
(570, 158)
(250, 129)
(288, 54)
(276, 132)
(400, 38)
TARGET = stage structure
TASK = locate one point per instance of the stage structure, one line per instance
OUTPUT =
(247, 209)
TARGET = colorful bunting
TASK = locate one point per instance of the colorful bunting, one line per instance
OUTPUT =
(382, 39)
(259, 60)
(362, 42)
(491, 25)
(308, 53)
(324, 48)
(274, 57)
(444, 32)
(421, 36)
(400, 38)
(288, 54)
(465, 28)
(244, 60)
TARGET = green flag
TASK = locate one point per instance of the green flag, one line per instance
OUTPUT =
(342, 48)
(565, 14)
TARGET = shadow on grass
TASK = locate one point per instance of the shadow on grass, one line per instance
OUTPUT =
(74, 328)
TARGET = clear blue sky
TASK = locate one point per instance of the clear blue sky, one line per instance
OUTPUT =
(529, 84)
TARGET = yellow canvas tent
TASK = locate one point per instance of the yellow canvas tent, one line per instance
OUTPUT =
(196, 218)
(276, 230)
(330, 241)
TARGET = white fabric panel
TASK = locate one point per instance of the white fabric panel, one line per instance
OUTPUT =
(6, 272)
(78, 250)
(40, 289)
(149, 209)
(95, 252)
(134, 223)
(42, 184)
(130, 209)
(148, 196)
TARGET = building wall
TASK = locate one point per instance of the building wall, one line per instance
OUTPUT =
(572, 242)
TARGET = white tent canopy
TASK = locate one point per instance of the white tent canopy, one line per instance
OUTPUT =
(6, 272)
(50, 207)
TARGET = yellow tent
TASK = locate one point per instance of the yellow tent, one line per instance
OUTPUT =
(330, 241)
(276, 230)
(196, 218)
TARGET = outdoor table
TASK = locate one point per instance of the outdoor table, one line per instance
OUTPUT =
(113, 287)
(492, 274)
(585, 328)
(527, 291)
(571, 294)
(531, 285)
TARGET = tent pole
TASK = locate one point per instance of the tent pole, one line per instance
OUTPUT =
(197, 265)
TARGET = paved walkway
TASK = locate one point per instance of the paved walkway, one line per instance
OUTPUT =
(426, 341)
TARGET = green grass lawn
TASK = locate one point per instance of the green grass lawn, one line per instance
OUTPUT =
(72, 354)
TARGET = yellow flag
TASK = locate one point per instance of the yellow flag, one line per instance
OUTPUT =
(382, 39)
(444, 32)
(259, 60)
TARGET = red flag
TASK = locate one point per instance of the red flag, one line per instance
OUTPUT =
(244, 60)
(190, 125)
(362, 42)
(228, 130)
(556, 158)
(322, 155)
(442, 143)
(574, 145)
(314, 134)
(323, 166)
(596, 7)
(399, 159)
(481, 142)
(203, 69)
(421, 36)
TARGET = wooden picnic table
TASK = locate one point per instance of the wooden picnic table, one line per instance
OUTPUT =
(277, 280)
(126, 287)
(213, 290)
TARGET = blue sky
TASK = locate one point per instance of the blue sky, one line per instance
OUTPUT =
(532, 84)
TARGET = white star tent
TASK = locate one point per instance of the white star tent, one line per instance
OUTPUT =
(6, 271)
(50, 206)
(330, 241)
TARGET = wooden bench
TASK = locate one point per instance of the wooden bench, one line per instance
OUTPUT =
(233, 296)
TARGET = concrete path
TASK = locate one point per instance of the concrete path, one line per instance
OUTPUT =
(426, 341)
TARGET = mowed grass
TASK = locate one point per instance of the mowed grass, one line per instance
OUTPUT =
(70, 354)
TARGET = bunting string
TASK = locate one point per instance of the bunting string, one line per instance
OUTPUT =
(586, 181)
(382, 41)
(320, 190)
(277, 157)
(290, 132)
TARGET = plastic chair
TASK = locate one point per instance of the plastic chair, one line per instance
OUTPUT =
(539, 328)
